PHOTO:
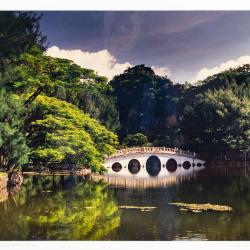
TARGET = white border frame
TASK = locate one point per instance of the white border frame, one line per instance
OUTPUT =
(129, 5)
(124, 5)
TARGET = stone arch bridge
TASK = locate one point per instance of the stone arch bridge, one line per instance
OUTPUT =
(152, 162)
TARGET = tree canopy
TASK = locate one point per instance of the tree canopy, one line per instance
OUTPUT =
(135, 140)
(217, 121)
(63, 79)
(54, 130)
(19, 32)
(13, 148)
(212, 116)
(59, 131)
(145, 101)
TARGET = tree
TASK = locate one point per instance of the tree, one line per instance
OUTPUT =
(236, 79)
(135, 140)
(19, 32)
(145, 101)
(59, 131)
(13, 148)
(63, 79)
(238, 137)
(218, 121)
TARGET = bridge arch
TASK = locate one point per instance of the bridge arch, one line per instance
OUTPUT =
(186, 165)
(116, 167)
(134, 166)
(153, 165)
(171, 165)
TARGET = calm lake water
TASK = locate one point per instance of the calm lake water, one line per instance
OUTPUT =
(71, 208)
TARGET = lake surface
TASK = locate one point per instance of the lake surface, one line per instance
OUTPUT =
(71, 208)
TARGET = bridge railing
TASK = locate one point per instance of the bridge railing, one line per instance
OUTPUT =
(156, 150)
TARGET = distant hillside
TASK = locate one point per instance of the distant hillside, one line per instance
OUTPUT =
(237, 79)
(213, 116)
(147, 103)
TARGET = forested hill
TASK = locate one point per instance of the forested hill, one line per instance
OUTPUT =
(213, 116)
(236, 79)
(145, 102)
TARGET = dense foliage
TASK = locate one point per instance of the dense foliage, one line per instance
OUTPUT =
(63, 79)
(146, 102)
(54, 130)
(19, 32)
(212, 116)
(135, 140)
(236, 79)
(58, 131)
(13, 148)
(217, 122)
(215, 115)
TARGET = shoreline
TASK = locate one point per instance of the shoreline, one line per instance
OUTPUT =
(82, 172)
(3, 180)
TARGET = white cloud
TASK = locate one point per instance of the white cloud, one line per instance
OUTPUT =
(103, 62)
(205, 72)
(161, 71)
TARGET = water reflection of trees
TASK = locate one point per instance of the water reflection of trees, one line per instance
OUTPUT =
(59, 209)
(215, 226)
(232, 190)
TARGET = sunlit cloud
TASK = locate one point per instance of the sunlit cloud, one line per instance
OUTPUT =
(102, 62)
(203, 73)
(161, 71)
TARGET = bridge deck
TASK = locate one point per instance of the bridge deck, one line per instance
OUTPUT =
(155, 150)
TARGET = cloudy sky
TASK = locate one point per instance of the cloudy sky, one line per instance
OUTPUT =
(184, 45)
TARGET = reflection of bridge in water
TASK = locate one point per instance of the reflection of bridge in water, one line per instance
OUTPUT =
(133, 182)
(148, 162)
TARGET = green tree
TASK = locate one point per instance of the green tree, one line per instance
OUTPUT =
(59, 131)
(238, 137)
(19, 32)
(63, 79)
(145, 101)
(135, 140)
(218, 121)
(236, 79)
(13, 148)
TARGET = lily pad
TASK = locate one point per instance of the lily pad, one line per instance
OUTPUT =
(197, 208)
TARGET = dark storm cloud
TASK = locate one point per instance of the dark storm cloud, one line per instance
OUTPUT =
(74, 29)
(184, 41)
(121, 30)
